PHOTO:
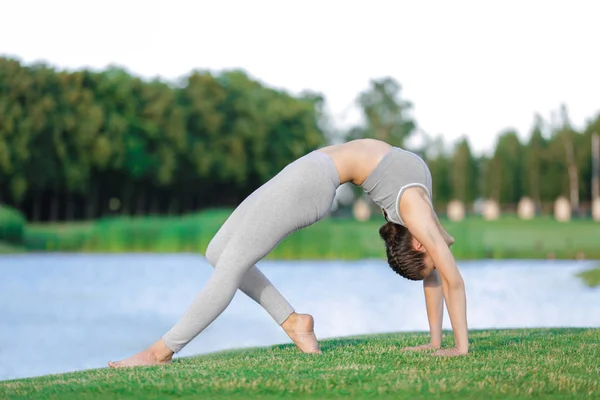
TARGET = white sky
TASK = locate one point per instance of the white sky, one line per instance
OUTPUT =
(469, 67)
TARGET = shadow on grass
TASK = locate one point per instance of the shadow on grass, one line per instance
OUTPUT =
(327, 345)
(338, 344)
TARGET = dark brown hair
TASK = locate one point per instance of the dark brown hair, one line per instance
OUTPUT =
(402, 256)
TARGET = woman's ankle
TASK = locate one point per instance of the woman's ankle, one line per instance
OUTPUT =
(290, 322)
(299, 323)
(161, 351)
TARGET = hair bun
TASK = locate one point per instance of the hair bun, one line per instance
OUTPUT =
(389, 230)
(402, 257)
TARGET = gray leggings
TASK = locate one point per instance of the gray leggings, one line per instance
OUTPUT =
(300, 195)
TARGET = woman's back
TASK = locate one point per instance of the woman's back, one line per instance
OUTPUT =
(355, 160)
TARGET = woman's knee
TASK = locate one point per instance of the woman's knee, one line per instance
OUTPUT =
(228, 278)
(213, 252)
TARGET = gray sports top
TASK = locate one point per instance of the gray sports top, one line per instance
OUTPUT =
(397, 171)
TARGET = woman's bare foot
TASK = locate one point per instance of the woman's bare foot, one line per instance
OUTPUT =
(300, 328)
(157, 354)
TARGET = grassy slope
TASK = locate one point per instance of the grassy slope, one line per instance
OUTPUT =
(553, 363)
(328, 239)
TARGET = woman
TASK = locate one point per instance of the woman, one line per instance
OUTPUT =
(300, 195)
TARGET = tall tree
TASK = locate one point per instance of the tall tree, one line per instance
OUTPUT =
(534, 161)
(567, 136)
(590, 179)
(438, 159)
(387, 116)
(566, 169)
(463, 173)
(505, 169)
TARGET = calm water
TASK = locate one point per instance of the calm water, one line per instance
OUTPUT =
(62, 313)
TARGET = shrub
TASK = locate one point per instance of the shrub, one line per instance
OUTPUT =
(12, 224)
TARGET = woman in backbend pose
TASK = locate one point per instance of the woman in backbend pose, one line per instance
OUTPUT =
(301, 194)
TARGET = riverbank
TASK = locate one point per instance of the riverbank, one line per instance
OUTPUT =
(591, 277)
(524, 363)
(346, 239)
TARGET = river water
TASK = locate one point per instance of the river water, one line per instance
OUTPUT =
(68, 312)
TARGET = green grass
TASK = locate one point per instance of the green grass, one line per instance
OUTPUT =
(508, 364)
(508, 238)
(7, 248)
(591, 277)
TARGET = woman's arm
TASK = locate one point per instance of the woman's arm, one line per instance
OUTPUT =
(421, 221)
(447, 238)
(434, 303)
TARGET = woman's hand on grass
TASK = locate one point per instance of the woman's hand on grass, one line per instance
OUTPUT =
(449, 353)
(422, 347)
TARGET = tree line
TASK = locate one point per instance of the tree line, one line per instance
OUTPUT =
(84, 144)
(70, 142)
(555, 160)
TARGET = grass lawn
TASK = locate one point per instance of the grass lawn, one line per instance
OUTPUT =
(525, 363)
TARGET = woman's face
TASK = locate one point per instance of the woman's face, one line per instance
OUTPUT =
(429, 266)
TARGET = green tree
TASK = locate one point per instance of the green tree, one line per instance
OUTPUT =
(585, 156)
(70, 141)
(463, 173)
(535, 161)
(562, 170)
(438, 160)
(568, 136)
(17, 128)
(505, 169)
(387, 116)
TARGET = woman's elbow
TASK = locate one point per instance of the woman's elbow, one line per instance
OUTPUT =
(456, 283)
